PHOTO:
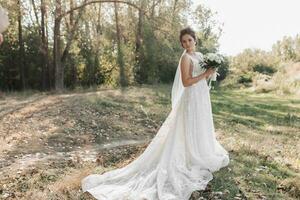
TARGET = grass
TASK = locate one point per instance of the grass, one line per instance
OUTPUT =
(260, 131)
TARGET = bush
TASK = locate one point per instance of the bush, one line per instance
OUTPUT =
(223, 70)
(245, 78)
(284, 81)
(264, 69)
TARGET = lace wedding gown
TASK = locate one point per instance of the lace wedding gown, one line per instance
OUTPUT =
(180, 158)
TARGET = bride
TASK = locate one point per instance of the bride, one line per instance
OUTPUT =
(182, 156)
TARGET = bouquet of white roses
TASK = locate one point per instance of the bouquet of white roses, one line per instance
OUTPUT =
(213, 60)
(4, 22)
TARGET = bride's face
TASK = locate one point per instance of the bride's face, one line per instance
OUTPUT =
(188, 42)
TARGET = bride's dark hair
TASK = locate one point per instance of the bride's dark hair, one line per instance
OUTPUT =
(188, 31)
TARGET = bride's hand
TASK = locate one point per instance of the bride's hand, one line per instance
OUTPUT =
(209, 72)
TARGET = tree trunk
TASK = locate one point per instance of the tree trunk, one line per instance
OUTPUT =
(45, 51)
(73, 65)
(72, 31)
(44, 44)
(139, 45)
(59, 71)
(21, 47)
(51, 71)
(36, 14)
(123, 81)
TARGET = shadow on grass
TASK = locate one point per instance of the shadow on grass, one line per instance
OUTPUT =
(252, 176)
(255, 111)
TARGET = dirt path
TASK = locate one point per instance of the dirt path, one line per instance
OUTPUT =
(61, 131)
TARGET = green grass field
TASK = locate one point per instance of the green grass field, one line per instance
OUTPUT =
(57, 139)
(262, 134)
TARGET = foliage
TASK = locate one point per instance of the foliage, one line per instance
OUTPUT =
(92, 51)
(276, 70)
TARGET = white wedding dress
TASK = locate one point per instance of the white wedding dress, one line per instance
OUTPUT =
(180, 158)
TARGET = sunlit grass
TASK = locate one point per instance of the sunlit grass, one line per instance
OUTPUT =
(260, 131)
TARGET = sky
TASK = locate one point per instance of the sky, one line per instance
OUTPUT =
(254, 23)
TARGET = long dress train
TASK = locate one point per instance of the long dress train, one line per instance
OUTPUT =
(180, 158)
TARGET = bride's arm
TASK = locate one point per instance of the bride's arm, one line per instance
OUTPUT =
(186, 72)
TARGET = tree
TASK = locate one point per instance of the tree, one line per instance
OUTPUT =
(116, 42)
(21, 46)
(123, 81)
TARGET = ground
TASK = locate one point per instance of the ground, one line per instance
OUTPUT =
(49, 142)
